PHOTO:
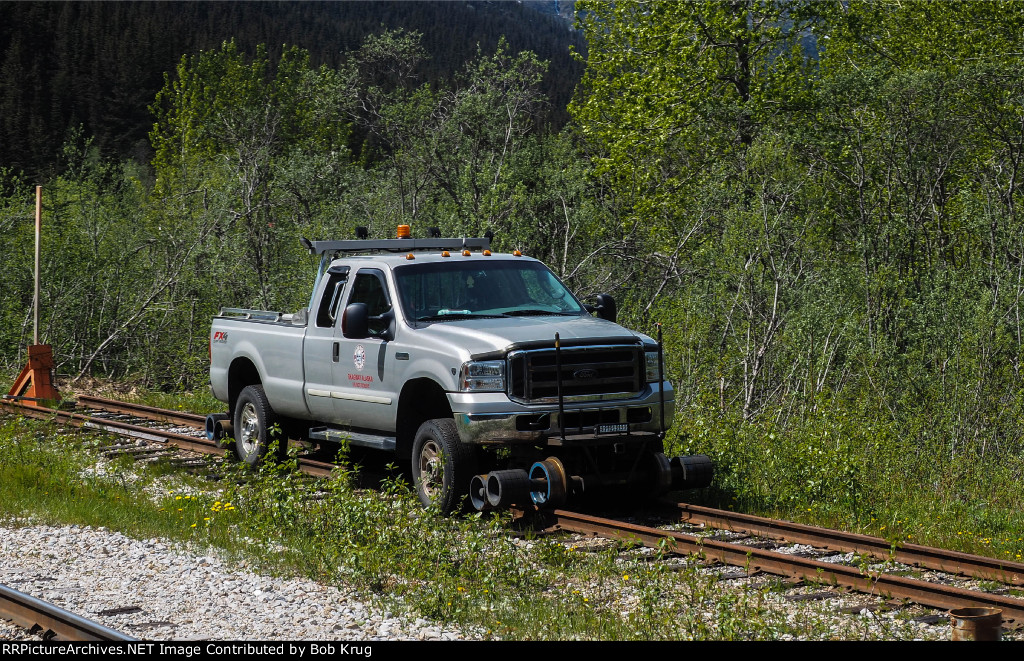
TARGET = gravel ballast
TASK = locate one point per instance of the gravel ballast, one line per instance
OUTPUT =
(161, 592)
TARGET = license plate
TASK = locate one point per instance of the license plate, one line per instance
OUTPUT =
(612, 429)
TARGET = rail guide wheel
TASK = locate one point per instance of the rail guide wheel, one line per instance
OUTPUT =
(661, 470)
(549, 483)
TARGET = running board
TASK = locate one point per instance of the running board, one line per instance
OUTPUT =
(374, 441)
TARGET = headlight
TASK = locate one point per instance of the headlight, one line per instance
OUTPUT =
(484, 375)
(651, 358)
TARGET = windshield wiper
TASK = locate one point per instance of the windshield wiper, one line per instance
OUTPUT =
(455, 316)
(531, 313)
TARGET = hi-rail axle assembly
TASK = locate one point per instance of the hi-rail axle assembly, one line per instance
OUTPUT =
(548, 484)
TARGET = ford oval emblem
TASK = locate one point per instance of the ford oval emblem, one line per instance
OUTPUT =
(582, 375)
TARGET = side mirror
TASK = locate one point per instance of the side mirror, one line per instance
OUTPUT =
(355, 322)
(606, 308)
(388, 318)
(301, 318)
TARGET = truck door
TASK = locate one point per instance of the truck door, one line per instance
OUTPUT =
(364, 396)
(321, 351)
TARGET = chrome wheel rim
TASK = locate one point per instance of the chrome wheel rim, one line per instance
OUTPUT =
(249, 434)
(431, 468)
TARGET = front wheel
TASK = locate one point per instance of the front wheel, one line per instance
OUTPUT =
(254, 420)
(442, 466)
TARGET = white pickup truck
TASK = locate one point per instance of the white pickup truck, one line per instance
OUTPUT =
(479, 368)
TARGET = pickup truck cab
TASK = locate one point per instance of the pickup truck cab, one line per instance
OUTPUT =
(480, 369)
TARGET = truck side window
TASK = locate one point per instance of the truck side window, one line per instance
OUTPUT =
(369, 288)
(327, 312)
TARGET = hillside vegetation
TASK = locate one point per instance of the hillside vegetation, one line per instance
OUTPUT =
(69, 63)
(817, 201)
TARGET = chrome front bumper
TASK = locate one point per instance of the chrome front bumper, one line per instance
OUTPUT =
(494, 419)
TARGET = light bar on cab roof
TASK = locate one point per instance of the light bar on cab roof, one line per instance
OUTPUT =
(397, 245)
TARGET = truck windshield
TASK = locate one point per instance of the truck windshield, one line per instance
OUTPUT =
(444, 291)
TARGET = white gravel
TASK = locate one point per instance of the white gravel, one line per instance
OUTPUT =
(169, 593)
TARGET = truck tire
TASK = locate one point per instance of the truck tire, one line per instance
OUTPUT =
(442, 466)
(254, 419)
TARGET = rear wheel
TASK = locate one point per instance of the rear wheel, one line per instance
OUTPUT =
(254, 420)
(442, 466)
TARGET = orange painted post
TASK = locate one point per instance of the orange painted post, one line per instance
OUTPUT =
(35, 383)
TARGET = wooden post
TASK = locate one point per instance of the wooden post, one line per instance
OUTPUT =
(35, 299)
(35, 384)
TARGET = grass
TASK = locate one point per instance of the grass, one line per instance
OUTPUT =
(859, 475)
(199, 401)
(462, 570)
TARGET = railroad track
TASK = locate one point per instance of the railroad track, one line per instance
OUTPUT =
(950, 562)
(793, 566)
(52, 622)
(138, 421)
(94, 412)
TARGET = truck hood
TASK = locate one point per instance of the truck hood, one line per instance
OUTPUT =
(480, 337)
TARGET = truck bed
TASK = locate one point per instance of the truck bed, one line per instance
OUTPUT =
(272, 343)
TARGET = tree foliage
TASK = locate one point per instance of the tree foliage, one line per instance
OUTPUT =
(817, 201)
(67, 63)
(825, 195)
(254, 150)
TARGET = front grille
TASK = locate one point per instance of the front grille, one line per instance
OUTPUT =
(586, 372)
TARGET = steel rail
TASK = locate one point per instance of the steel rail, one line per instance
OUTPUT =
(934, 595)
(55, 622)
(951, 562)
(308, 466)
(115, 426)
(201, 445)
(141, 410)
(316, 468)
